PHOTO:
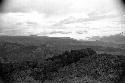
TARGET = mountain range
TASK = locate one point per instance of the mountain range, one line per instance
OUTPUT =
(117, 38)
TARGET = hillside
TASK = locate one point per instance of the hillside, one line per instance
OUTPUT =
(117, 38)
(74, 66)
(25, 59)
(39, 40)
(21, 48)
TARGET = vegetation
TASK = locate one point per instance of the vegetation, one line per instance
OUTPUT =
(58, 63)
(75, 66)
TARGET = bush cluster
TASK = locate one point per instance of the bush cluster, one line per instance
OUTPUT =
(75, 66)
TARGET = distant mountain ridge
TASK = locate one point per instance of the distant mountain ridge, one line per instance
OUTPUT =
(117, 38)
(27, 46)
(40, 40)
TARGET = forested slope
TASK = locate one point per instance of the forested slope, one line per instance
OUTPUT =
(59, 60)
(75, 66)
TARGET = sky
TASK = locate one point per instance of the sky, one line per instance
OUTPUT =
(79, 19)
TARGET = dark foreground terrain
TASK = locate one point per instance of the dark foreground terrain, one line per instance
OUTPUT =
(60, 60)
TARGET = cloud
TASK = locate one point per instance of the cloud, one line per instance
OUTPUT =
(82, 32)
(59, 7)
(77, 19)
(47, 33)
(48, 7)
(88, 17)
(36, 23)
(61, 32)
